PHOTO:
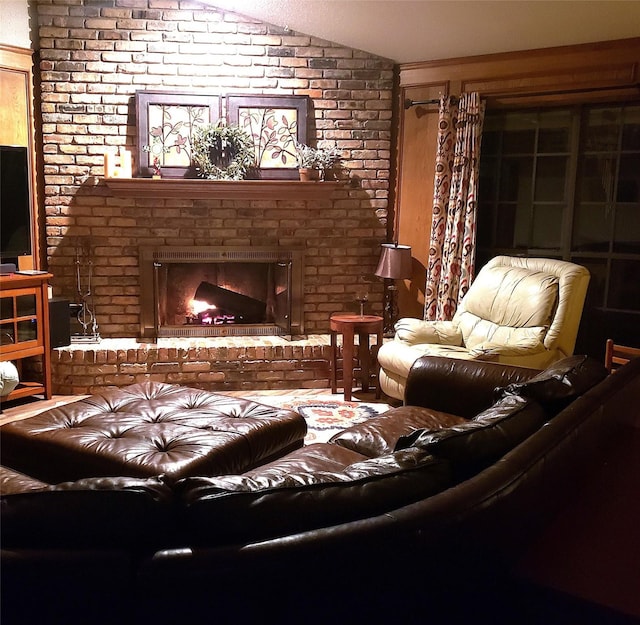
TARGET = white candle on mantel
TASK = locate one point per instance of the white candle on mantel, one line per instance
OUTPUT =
(110, 165)
(126, 166)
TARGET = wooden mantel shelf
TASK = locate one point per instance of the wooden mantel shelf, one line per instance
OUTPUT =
(195, 188)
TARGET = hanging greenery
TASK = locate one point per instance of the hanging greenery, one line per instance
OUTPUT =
(222, 152)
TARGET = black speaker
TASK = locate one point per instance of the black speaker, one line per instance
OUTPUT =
(59, 322)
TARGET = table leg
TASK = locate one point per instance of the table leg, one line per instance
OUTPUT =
(363, 339)
(347, 362)
(333, 365)
(377, 367)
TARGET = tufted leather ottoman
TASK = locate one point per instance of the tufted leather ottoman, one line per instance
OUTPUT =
(150, 429)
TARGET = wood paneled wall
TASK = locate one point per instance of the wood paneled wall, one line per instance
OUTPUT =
(600, 72)
(17, 121)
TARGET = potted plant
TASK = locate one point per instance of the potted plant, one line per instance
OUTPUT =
(307, 158)
(317, 161)
(327, 160)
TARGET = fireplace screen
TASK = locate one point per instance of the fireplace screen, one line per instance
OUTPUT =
(220, 291)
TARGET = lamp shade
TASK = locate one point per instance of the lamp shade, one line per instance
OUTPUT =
(395, 262)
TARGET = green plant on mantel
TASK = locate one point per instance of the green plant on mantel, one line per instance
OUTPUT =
(323, 159)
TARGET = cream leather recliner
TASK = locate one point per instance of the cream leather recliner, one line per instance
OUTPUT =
(520, 311)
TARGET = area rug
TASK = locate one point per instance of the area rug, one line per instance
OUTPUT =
(325, 416)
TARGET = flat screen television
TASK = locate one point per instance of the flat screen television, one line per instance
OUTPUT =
(15, 203)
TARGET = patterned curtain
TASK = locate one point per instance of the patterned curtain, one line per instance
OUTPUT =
(453, 228)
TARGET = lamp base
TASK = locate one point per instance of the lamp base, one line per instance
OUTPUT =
(390, 310)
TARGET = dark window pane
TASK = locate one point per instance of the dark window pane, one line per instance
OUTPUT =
(487, 185)
(551, 174)
(592, 227)
(26, 305)
(490, 142)
(7, 334)
(555, 132)
(27, 330)
(484, 233)
(522, 230)
(631, 129)
(623, 285)
(505, 225)
(597, 283)
(518, 141)
(547, 225)
(629, 179)
(515, 179)
(596, 177)
(626, 237)
(6, 308)
(602, 130)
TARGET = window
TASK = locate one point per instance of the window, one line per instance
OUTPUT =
(565, 183)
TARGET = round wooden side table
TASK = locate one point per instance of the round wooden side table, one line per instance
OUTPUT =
(350, 325)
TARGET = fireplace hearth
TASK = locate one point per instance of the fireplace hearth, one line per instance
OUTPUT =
(221, 291)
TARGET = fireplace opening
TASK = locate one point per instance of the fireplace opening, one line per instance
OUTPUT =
(221, 291)
(216, 305)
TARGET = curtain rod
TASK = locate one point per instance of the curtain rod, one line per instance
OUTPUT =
(408, 103)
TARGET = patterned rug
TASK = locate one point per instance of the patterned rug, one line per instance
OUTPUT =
(325, 416)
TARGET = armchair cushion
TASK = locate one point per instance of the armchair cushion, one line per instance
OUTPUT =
(414, 331)
(506, 303)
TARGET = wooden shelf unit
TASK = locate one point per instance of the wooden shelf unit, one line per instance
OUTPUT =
(199, 188)
(24, 326)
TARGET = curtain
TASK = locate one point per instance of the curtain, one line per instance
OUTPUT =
(450, 269)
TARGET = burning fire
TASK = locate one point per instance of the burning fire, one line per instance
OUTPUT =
(205, 315)
(199, 306)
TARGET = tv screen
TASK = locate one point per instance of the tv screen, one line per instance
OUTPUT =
(15, 203)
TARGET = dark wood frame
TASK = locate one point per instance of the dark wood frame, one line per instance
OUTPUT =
(300, 104)
(145, 99)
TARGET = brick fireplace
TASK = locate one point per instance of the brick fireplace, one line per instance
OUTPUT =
(93, 59)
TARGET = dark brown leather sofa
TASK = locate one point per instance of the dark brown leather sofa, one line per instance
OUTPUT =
(415, 516)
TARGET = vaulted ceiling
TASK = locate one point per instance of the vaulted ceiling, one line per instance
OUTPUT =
(408, 31)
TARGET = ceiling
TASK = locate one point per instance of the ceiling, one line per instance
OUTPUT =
(408, 31)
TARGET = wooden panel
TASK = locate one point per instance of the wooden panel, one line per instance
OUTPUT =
(414, 197)
(17, 122)
(548, 61)
(14, 117)
(560, 81)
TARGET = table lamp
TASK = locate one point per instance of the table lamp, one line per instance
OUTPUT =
(394, 264)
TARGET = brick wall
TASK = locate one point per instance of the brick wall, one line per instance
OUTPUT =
(94, 56)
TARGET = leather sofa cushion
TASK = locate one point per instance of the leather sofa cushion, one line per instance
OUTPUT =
(12, 482)
(560, 383)
(115, 512)
(378, 436)
(287, 497)
(473, 445)
(150, 429)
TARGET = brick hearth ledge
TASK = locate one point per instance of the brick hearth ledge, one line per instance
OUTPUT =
(213, 363)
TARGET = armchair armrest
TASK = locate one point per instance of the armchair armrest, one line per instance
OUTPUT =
(414, 331)
(460, 387)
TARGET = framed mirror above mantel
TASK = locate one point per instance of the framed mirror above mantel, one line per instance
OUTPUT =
(221, 189)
